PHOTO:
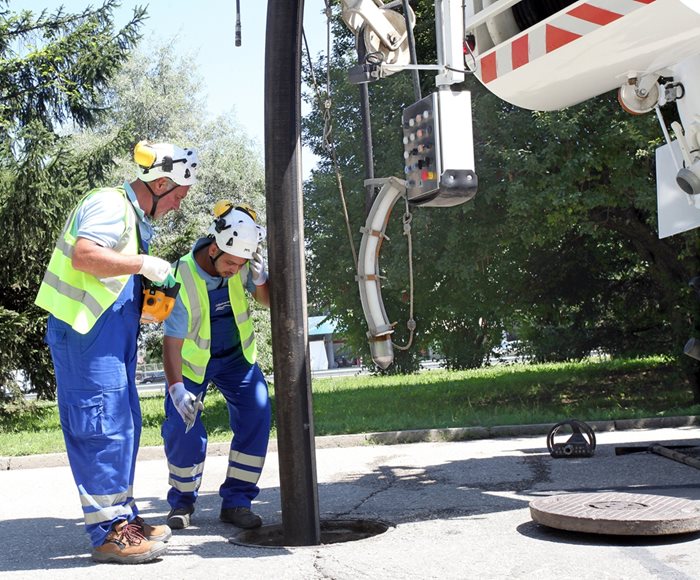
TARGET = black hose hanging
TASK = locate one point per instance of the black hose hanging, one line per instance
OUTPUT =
(412, 51)
(238, 22)
(288, 304)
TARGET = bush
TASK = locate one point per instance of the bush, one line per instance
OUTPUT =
(555, 343)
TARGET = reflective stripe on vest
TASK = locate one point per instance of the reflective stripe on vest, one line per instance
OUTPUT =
(196, 348)
(76, 297)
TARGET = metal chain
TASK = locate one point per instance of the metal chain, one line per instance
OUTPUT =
(328, 143)
(411, 323)
(325, 106)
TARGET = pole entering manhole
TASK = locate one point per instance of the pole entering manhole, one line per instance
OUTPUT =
(288, 302)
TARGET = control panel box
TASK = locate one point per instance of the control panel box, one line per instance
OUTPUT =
(439, 149)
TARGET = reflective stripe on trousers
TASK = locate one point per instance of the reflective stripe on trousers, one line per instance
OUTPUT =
(106, 508)
(245, 467)
(186, 479)
(245, 390)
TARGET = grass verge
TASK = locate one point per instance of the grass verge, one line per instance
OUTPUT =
(505, 395)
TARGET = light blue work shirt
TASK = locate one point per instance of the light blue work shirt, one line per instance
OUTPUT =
(101, 218)
(176, 324)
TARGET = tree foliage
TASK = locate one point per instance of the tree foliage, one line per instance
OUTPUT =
(53, 70)
(559, 245)
(159, 95)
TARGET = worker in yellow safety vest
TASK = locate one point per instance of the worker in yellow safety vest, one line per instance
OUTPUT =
(92, 290)
(209, 337)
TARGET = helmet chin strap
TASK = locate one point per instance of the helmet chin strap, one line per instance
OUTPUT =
(156, 198)
(213, 265)
(215, 258)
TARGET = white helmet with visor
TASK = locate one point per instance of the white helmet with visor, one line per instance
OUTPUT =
(166, 160)
(236, 233)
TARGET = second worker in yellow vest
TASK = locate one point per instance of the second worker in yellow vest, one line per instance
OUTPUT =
(209, 337)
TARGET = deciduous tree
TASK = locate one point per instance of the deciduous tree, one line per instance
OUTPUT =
(560, 242)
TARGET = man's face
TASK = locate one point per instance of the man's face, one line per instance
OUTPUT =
(226, 265)
(171, 196)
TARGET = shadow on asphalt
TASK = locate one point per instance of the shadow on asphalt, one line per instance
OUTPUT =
(539, 532)
(390, 491)
(65, 545)
(396, 494)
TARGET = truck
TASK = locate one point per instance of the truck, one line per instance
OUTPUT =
(535, 54)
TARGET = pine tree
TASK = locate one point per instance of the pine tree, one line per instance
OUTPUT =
(53, 71)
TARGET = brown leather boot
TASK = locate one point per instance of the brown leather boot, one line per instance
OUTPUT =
(153, 533)
(125, 544)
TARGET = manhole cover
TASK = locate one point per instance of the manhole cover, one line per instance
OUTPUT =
(332, 532)
(625, 514)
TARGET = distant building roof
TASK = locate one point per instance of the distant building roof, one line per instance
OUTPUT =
(319, 325)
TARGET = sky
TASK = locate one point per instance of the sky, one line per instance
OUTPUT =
(233, 76)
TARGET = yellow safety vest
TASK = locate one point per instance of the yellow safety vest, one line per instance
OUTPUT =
(78, 298)
(196, 348)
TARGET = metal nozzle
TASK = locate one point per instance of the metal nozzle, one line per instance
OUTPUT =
(382, 351)
(692, 348)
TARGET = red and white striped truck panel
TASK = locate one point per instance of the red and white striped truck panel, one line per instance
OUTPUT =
(589, 48)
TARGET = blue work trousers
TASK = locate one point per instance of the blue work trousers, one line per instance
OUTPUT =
(245, 391)
(99, 411)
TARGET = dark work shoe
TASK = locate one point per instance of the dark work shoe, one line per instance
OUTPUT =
(179, 518)
(241, 517)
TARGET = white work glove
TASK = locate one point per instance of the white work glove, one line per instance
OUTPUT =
(155, 269)
(257, 268)
(185, 402)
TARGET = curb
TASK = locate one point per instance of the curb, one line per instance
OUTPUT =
(382, 438)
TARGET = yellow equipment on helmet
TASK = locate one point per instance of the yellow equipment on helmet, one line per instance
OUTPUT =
(223, 206)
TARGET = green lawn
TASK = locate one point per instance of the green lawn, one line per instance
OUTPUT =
(505, 395)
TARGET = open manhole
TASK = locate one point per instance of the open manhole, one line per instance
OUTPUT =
(625, 514)
(332, 532)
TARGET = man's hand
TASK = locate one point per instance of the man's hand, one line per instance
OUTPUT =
(257, 267)
(155, 269)
(184, 402)
(169, 281)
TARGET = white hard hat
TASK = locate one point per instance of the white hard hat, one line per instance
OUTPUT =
(166, 160)
(236, 233)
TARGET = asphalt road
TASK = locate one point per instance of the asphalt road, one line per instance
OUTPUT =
(454, 510)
